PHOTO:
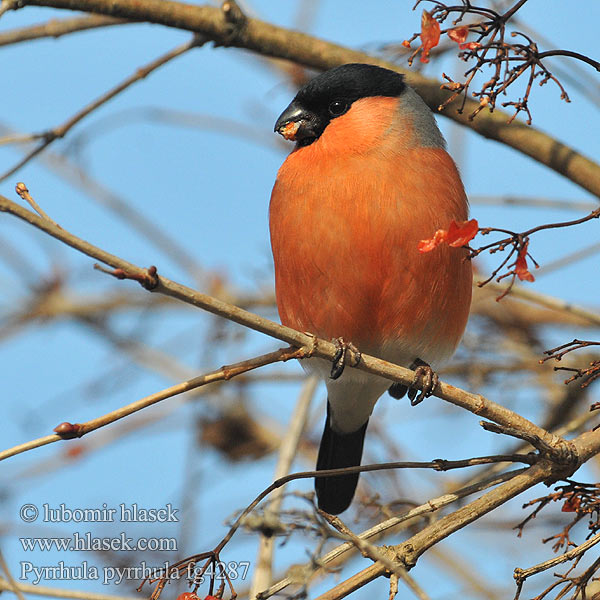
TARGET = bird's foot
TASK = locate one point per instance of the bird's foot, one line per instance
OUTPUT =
(341, 356)
(424, 373)
(430, 380)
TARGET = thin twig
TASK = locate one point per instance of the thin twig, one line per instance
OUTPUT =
(56, 28)
(432, 506)
(12, 584)
(310, 51)
(375, 554)
(118, 205)
(475, 403)
(71, 430)
(571, 54)
(52, 592)
(521, 575)
(435, 465)
(287, 452)
(23, 191)
(549, 302)
(58, 132)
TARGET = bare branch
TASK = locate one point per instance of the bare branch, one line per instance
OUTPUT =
(571, 54)
(522, 574)
(53, 592)
(432, 506)
(58, 132)
(287, 452)
(378, 555)
(22, 190)
(118, 205)
(587, 445)
(268, 40)
(319, 348)
(12, 584)
(56, 28)
(76, 430)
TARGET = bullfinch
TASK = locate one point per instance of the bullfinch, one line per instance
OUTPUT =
(368, 178)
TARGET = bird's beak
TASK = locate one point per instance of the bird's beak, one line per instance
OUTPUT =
(296, 123)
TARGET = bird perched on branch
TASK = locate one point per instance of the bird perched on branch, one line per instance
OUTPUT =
(368, 179)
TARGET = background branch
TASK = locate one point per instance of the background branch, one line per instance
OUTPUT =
(56, 28)
(51, 135)
(315, 347)
(309, 51)
(408, 552)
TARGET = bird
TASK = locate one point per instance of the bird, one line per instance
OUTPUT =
(368, 178)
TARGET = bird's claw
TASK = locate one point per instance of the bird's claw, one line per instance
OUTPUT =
(430, 381)
(424, 373)
(341, 355)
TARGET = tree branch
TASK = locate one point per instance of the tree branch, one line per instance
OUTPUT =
(76, 430)
(429, 507)
(475, 403)
(408, 552)
(56, 28)
(279, 42)
(51, 135)
(378, 555)
(522, 574)
(53, 592)
(10, 579)
(287, 452)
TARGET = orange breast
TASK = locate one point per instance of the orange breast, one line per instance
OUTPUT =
(344, 233)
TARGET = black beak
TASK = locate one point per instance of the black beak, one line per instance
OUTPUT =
(298, 124)
(292, 114)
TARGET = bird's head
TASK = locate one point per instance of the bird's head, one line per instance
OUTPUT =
(353, 105)
(331, 95)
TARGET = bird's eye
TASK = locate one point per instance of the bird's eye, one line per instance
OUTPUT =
(337, 108)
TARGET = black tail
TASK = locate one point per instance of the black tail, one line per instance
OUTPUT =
(338, 450)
